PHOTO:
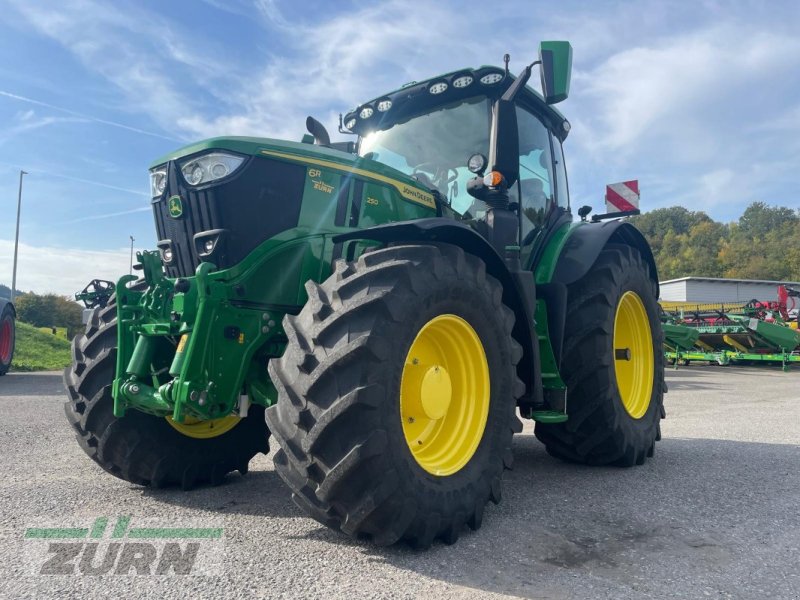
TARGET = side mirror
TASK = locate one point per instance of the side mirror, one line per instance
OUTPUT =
(556, 70)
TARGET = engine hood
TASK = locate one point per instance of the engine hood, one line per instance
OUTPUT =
(309, 154)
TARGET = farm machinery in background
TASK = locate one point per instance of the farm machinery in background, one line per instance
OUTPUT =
(96, 294)
(7, 334)
(746, 333)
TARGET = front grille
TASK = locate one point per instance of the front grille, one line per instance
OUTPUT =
(260, 200)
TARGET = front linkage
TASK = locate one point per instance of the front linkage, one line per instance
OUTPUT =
(186, 350)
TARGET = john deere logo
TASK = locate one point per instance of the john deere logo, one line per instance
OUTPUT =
(175, 205)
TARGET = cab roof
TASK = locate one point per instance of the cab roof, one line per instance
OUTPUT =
(420, 97)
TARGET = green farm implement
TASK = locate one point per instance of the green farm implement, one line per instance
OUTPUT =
(731, 334)
(382, 308)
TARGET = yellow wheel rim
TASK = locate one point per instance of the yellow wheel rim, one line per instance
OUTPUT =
(444, 395)
(633, 355)
(203, 430)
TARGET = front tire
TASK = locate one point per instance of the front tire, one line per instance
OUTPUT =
(380, 418)
(613, 365)
(141, 448)
(7, 338)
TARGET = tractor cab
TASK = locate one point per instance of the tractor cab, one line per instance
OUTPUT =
(440, 133)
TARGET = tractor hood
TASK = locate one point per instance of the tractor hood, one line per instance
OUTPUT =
(251, 146)
(218, 199)
(308, 154)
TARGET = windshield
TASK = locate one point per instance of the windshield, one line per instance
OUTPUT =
(435, 147)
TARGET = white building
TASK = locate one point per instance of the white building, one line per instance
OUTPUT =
(705, 290)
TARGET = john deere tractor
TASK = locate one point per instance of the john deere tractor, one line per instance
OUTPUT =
(386, 308)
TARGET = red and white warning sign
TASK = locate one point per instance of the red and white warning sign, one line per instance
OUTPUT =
(622, 197)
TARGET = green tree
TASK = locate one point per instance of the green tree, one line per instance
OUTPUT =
(759, 219)
(657, 223)
(700, 256)
(763, 244)
(49, 310)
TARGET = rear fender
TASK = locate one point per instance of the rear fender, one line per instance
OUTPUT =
(574, 253)
(585, 244)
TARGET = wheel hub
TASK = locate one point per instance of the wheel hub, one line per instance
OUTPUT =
(436, 392)
(203, 430)
(444, 395)
(633, 354)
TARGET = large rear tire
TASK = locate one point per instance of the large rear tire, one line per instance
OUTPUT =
(7, 338)
(141, 448)
(613, 365)
(396, 396)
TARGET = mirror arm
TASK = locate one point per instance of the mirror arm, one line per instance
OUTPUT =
(519, 82)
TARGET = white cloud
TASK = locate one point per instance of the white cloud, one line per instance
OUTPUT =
(676, 94)
(674, 89)
(80, 116)
(134, 49)
(63, 271)
(28, 121)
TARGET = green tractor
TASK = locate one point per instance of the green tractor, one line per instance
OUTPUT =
(386, 309)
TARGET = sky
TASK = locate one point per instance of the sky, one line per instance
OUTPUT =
(698, 100)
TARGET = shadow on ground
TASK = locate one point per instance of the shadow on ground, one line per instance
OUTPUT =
(46, 383)
(259, 493)
(703, 511)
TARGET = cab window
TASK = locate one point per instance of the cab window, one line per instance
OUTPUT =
(534, 190)
(562, 189)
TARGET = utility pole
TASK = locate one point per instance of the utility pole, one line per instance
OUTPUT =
(16, 238)
(130, 270)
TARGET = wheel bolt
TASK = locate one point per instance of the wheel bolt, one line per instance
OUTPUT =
(622, 353)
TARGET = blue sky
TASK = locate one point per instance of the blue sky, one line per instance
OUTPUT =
(698, 100)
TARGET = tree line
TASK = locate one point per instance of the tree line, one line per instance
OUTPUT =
(46, 310)
(763, 244)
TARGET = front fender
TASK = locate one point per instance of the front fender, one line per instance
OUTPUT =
(448, 231)
(4, 303)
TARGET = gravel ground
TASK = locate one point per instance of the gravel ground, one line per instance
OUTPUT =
(715, 513)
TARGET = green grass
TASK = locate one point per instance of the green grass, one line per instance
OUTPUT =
(60, 331)
(39, 351)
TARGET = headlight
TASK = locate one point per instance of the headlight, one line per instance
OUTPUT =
(463, 81)
(209, 167)
(158, 181)
(491, 78)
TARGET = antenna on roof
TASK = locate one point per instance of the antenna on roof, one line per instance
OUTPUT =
(506, 58)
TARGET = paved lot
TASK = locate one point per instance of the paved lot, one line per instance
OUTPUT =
(714, 514)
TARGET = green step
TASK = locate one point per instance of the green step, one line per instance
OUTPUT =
(548, 416)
